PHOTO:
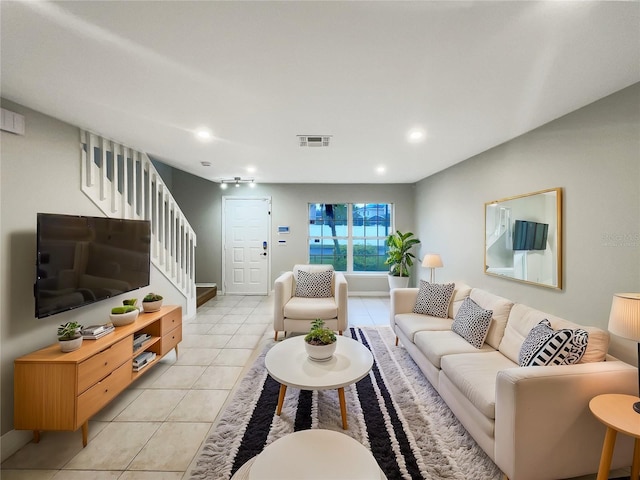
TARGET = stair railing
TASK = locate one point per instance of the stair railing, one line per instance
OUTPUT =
(123, 183)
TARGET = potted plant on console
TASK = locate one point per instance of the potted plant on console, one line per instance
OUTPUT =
(320, 342)
(400, 258)
(69, 336)
(125, 314)
(152, 302)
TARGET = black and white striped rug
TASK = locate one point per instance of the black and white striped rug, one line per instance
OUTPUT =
(393, 411)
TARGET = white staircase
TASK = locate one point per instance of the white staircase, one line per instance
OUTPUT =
(123, 183)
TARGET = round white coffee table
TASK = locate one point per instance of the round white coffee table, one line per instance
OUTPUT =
(287, 362)
(296, 455)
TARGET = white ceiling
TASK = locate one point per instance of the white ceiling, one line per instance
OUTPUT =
(471, 74)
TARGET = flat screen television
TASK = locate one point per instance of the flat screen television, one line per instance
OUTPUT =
(81, 260)
(530, 235)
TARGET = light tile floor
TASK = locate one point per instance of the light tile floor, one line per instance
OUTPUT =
(155, 429)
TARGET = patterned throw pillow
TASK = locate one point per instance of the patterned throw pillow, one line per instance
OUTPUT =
(433, 299)
(546, 346)
(472, 322)
(316, 285)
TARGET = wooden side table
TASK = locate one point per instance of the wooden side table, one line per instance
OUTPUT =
(617, 413)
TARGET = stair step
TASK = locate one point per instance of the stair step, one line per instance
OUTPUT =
(204, 294)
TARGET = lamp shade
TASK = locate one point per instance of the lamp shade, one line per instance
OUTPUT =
(432, 260)
(624, 319)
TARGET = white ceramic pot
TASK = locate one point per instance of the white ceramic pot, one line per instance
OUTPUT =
(70, 345)
(320, 353)
(398, 282)
(152, 306)
(120, 319)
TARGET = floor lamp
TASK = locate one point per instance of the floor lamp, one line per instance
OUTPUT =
(432, 261)
(624, 321)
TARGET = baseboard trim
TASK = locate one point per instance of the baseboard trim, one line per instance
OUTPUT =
(206, 285)
(12, 441)
(369, 294)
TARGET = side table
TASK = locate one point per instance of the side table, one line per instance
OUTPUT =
(617, 413)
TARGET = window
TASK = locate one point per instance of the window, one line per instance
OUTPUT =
(350, 236)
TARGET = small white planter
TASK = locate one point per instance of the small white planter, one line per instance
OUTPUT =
(120, 319)
(152, 306)
(70, 345)
(398, 282)
(320, 353)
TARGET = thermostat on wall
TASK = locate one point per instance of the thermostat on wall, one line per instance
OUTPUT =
(283, 229)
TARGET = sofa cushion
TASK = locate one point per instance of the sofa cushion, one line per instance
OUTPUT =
(316, 284)
(523, 318)
(472, 322)
(460, 292)
(410, 323)
(436, 344)
(475, 374)
(546, 346)
(434, 299)
(307, 308)
(500, 307)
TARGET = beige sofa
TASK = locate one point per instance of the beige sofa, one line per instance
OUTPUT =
(293, 313)
(534, 422)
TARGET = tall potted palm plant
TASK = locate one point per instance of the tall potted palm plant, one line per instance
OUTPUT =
(400, 258)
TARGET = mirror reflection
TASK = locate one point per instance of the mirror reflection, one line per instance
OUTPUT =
(523, 238)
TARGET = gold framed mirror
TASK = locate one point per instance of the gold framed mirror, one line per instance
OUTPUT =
(523, 238)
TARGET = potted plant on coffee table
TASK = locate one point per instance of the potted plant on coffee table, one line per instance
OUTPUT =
(152, 302)
(69, 336)
(320, 342)
(400, 258)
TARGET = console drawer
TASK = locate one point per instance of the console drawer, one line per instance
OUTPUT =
(103, 363)
(92, 401)
(170, 321)
(170, 340)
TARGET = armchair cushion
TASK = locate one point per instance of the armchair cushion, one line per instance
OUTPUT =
(314, 285)
(306, 308)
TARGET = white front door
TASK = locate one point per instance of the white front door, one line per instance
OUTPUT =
(245, 252)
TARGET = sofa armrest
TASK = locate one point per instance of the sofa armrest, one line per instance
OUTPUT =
(282, 293)
(544, 428)
(402, 301)
(341, 295)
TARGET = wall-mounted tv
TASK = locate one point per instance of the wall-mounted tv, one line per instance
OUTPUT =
(82, 260)
(530, 235)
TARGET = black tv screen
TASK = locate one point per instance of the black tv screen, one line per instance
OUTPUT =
(81, 260)
(530, 235)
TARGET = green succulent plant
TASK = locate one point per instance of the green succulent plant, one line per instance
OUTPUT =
(123, 309)
(152, 297)
(130, 301)
(69, 331)
(319, 334)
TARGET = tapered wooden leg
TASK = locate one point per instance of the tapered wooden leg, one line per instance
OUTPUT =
(396, 341)
(340, 332)
(607, 453)
(275, 337)
(343, 408)
(36, 436)
(635, 467)
(85, 433)
(283, 390)
(176, 349)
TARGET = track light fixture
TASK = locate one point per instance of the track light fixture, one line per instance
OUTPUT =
(236, 181)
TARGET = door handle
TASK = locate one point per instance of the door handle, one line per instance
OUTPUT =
(264, 254)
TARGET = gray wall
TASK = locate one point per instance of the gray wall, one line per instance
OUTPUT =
(594, 155)
(40, 173)
(201, 202)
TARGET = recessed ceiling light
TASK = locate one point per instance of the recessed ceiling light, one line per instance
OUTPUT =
(251, 169)
(380, 170)
(204, 134)
(416, 135)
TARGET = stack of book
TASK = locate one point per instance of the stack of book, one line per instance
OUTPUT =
(93, 332)
(142, 360)
(139, 339)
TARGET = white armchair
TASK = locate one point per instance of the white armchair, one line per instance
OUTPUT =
(295, 313)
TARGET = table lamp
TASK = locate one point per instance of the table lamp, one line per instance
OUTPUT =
(624, 321)
(432, 261)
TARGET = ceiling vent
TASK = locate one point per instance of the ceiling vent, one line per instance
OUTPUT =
(314, 140)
